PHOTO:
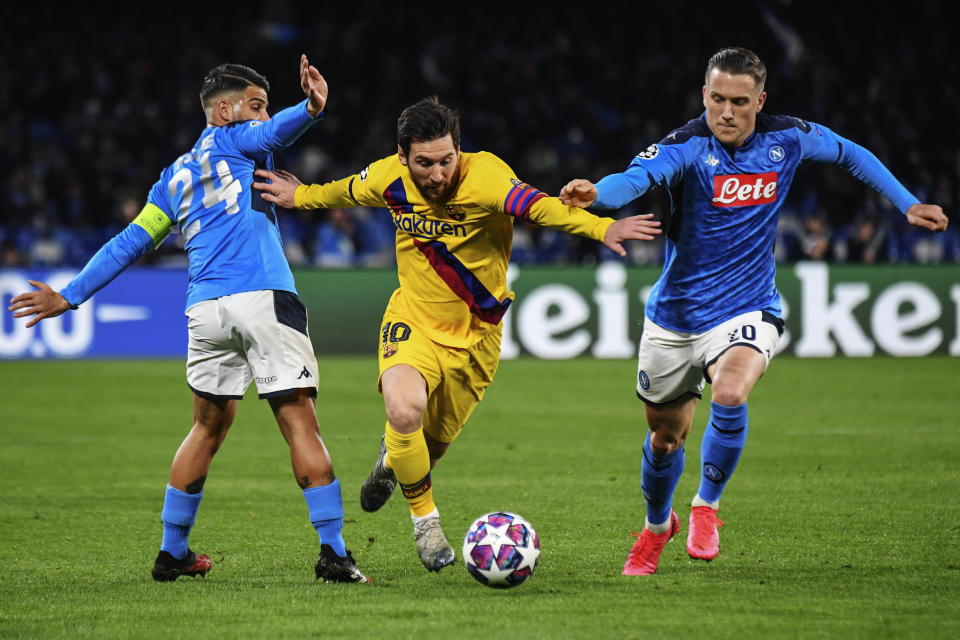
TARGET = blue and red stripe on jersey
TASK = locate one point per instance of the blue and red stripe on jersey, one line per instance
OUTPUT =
(483, 304)
(520, 199)
(395, 196)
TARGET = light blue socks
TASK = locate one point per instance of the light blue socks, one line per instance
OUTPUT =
(326, 515)
(722, 444)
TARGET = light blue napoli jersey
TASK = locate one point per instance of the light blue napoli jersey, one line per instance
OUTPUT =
(230, 232)
(725, 203)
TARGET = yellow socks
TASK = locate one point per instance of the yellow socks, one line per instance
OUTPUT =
(408, 457)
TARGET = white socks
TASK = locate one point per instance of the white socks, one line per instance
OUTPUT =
(432, 514)
(700, 502)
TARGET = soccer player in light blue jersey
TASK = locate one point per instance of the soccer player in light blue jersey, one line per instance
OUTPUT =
(245, 321)
(714, 315)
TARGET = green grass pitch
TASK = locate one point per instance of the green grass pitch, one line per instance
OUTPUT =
(843, 519)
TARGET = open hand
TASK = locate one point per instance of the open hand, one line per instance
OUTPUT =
(314, 87)
(280, 189)
(642, 227)
(43, 303)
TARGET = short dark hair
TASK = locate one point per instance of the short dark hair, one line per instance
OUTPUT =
(425, 121)
(738, 61)
(229, 78)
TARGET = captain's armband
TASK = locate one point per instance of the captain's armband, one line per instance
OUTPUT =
(155, 222)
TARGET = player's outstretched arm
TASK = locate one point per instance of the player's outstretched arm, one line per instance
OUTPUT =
(280, 189)
(287, 125)
(927, 216)
(642, 227)
(106, 264)
(578, 193)
(42, 303)
(314, 87)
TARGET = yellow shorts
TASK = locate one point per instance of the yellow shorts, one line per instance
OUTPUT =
(456, 378)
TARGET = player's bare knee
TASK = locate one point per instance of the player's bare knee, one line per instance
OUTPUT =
(210, 434)
(730, 393)
(405, 414)
(664, 442)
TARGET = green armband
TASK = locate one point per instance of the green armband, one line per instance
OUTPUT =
(155, 222)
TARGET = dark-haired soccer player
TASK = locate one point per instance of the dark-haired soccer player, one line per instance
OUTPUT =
(245, 320)
(440, 335)
(714, 315)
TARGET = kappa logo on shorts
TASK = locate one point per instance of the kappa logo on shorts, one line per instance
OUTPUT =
(267, 380)
(644, 380)
(304, 373)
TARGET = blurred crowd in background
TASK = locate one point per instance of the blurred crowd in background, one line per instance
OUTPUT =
(95, 106)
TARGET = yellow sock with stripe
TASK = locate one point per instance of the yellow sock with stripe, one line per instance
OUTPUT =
(410, 461)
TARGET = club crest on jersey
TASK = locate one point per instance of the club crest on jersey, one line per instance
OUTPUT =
(389, 349)
(457, 212)
(776, 153)
(649, 153)
(744, 190)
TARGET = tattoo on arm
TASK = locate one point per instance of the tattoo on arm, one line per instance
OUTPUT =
(196, 486)
(304, 482)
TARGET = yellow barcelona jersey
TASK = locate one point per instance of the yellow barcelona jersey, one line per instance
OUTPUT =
(452, 257)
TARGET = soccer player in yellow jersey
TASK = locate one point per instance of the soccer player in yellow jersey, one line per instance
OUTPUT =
(440, 335)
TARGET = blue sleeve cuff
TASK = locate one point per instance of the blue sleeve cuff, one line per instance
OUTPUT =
(290, 123)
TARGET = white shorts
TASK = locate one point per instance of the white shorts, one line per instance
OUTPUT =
(256, 336)
(671, 363)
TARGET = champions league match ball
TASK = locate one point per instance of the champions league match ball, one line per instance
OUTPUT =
(501, 549)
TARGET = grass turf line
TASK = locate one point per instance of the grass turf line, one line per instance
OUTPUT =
(841, 519)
